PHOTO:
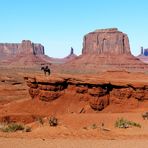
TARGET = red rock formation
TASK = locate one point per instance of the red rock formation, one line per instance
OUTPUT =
(143, 55)
(66, 59)
(103, 50)
(107, 42)
(28, 54)
(96, 91)
(143, 58)
(26, 47)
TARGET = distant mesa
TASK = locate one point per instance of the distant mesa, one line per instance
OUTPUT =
(144, 55)
(144, 52)
(27, 54)
(103, 50)
(21, 54)
(26, 47)
(107, 42)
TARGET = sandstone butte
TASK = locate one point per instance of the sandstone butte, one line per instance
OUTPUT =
(87, 105)
(143, 56)
(28, 54)
(119, 89)
(105, 49)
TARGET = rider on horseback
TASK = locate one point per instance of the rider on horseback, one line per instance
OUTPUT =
(46, 69)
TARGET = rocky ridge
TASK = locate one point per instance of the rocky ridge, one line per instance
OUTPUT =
(97, 92)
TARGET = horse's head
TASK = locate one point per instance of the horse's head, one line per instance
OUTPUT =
(42, 68)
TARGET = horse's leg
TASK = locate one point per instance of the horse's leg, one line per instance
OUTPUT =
(48, 71)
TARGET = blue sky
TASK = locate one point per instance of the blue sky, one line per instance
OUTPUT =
(60, 24)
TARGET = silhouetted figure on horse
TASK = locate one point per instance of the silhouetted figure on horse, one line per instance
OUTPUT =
(46, 69)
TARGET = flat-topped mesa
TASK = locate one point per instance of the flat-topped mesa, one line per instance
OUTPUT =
(28, 47)
(107, 30)
(24, 48)
(106, 42)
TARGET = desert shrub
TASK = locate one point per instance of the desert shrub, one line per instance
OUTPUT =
(53, 121)
(93, 126)
(40, 120)
(123, 123)
(134, 124)
(27, 129)
(145, 115)
(13, 127)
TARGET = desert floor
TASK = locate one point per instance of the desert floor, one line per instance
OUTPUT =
(73, 130)
(70, 143)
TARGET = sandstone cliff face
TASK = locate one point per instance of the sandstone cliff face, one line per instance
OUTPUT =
(28, 54)
(24, 48)
(106, 41)
(103, 50)
(96, 92)
(28, 47)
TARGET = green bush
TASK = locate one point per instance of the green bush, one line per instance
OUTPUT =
(13, 127)
(123, 123)
(94, 126)
(53, 121)
(40, 120)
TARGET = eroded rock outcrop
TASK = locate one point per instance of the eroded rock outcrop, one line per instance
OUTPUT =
(28, 54)
(98, 92)
(106, 41)
(24, 48)
(103, 50)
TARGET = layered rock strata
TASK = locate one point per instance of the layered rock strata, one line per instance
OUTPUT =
(105, 49)
(24, 48)
(107, 42)
(97, 91)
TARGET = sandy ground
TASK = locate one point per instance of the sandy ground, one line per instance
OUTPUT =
(71, 143)
(74, 130)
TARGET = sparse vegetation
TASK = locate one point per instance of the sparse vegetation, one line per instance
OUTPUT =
(53, 121)
(40, 120)
(93, 126)
(12, 127)
(145, 115)
(27, 129)
(123, 123)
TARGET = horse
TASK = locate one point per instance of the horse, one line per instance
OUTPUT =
(45, 69)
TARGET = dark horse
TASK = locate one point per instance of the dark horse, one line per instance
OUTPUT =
(46, 69)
